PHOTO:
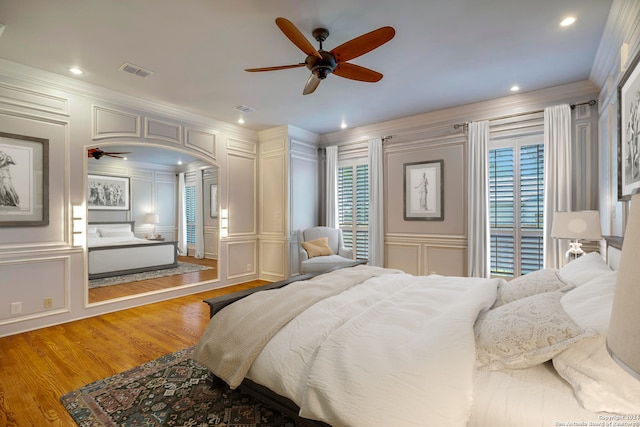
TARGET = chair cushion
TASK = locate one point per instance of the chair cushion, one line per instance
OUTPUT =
(317, 247)
(323, 263)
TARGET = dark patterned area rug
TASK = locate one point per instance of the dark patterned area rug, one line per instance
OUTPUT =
(182, 268)
(170, 391)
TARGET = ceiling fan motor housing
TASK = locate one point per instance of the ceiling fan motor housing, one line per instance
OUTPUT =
(321, 67)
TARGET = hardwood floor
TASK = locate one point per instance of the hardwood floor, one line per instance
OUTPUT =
(143, 286)
(38, 367)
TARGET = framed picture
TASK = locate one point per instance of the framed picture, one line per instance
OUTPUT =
(214, 201)
(24, 181)
(629, 131)
(423, 191)
(108, 193)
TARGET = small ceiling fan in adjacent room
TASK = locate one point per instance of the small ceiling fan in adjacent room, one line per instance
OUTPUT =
(97, 153)
(322, 63)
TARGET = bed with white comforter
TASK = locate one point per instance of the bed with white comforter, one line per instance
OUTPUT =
(114, 250)
(367, 346)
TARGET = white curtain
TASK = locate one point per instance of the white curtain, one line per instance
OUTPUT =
(199, 216)
(182, 216)
(479, 232)
(332, 186)
(557, 178)
(376, 205)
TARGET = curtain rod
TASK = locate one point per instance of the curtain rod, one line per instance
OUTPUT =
(590, 102)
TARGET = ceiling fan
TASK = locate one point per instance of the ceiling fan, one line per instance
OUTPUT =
(322, 63)
(97, 153)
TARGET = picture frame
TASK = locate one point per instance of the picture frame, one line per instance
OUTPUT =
(108, 193)
(24, 181)
(629, 131)
(214, 201)
(424, 191)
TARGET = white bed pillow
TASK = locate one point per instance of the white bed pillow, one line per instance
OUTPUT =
(533, 283)
(92, 230)
(94, 235)
(525, 333)
(598, 382)
(115, 233)
(583, 269)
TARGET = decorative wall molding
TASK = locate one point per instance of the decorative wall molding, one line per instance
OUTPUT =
(109, 123)
(242, 146)
(164, 131)
(201, 140)
(33, 100)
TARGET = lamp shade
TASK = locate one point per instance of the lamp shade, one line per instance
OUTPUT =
(623, 338)
(152, 218)
(583, 225)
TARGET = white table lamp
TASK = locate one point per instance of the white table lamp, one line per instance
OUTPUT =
(582, 225)
(152, 218)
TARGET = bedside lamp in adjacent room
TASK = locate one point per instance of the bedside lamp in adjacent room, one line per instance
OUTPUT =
(152, 218)
(582, 225)
(623, 338)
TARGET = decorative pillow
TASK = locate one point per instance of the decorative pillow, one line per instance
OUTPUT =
(317, 247)
(116, 233)
(525, 333)
(598, 382)
(534, 283)
(590, 305)
(583, 269)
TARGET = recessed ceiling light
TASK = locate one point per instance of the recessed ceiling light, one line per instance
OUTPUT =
(343, 125)
(75, 70)
(179, 162)
(515, 88)
(567, 21)
(241, 120)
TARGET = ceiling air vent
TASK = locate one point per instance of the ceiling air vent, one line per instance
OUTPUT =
(135, 70)
(245, 108)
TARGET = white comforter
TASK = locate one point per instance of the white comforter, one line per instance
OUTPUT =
(398, 350)
(94, 242)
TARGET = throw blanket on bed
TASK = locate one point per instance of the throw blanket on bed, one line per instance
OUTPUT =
(406, 360)
(235, 337)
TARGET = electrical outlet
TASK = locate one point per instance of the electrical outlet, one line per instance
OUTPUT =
(16, 307)
(48, 302)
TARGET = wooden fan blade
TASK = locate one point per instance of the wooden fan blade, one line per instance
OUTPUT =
(296, 37)
(356, 72)
(312, 84)
(280, 67)
(114, 155)
(363, 44)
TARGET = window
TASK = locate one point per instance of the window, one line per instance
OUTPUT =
(516, 194)
(353, 207)
(190, 203)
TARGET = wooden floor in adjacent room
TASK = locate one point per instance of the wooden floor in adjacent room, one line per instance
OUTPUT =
(159, 283)
(38, 367)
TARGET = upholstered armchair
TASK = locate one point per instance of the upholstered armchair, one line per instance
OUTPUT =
(321, 248)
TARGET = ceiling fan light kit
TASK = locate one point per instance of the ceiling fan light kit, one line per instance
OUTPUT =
(322, 63)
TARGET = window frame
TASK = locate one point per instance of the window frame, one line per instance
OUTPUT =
(517, 232)
(355, 227)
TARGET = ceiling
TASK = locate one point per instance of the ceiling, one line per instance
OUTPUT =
(444, 53)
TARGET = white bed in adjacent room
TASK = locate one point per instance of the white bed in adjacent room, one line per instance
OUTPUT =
(114, 250)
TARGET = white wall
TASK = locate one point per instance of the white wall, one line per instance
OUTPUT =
(40, 262)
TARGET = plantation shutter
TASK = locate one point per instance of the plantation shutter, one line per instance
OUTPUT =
(190, 214)
(353, 208)
(516, 192)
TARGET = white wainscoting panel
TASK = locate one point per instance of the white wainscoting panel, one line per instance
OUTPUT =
(156, 129)
(29, 282)
(108, 123)
(238, 254)
(201, 140)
